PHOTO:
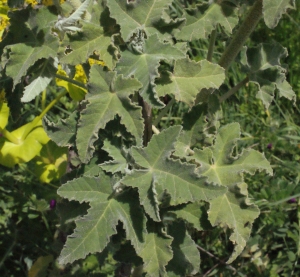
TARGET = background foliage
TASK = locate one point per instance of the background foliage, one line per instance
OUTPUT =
(35, 221)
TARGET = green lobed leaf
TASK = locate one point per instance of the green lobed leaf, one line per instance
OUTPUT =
(84, 43)
(186, 257)
(119, 163)
(206, 18)
(274, 9)
(62, 133)
(262, 64)
(147, 63)
(191, 213)
(234, 208)
(107, 97)
(93, 231)
(189, 78)
(156, 253)
(197, 130)
(35, 41)
(133, 15)
(160, 174)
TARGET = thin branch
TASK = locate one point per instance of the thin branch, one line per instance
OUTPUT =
(211, 45)
(234, 89)
(242, 34)
(155, 130)
(147, 115)
(215, 257)
(74, 82)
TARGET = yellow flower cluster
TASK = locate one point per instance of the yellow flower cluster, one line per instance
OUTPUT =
(93, 61)
(4, 20)
(77, 93)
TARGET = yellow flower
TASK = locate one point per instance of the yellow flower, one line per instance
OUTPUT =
(50, 2)
(93, 61)
(76, 92)
(4, 20)
(32, 2)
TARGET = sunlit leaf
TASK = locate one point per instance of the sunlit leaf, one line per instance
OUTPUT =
(274, 9)
(32, 41)
(94, 230)
(133, 15)
(144, 65)
(108, 96)
(160, 174)
(206, 18)
(234, 208)
(189, 78)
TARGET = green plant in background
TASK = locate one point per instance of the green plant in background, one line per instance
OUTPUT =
(150, 196)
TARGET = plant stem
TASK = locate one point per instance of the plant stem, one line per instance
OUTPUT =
(53, 102)
(155, 130)
(234, 89)
(38, 118)
(211, 45)
(242, 35)
(147, 115)
(8, 135)
(43, 100)
(67, 79)
(164, 111)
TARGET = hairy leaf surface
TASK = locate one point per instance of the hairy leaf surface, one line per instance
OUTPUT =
(159, 173)
(93, 231)
(119, 163)
(274, 9)
(133, 15)
(35, 41)
(262, 63)
(189, 78)
(62, 133)
(206, 18)
(143, 66)
(156, 253)
(233, 208)
(107, 97)
(83, 44)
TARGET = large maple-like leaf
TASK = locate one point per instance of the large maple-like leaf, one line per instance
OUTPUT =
(32, 40)
(160, 174)
(93, 231)
(133, 15)
(84, 43)
(205, 20)
(144, 65)
(233, 208)
(189, 78)
(274, 9)
(107, 97)
(262, 64)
